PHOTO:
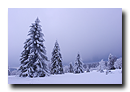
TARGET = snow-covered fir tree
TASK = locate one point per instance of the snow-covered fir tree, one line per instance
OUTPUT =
(9, 73)
(78, 65)
(66, 69)
(56, 60)
(102, 66)
(118, 63)
(33, 58)
(111, 61)
(88, 68)
(71, 69)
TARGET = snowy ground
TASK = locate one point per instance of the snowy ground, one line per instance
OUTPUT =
(93, 77)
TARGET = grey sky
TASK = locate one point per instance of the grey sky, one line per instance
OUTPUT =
(94, 33)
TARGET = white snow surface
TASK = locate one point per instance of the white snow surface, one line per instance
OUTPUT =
(94, 77)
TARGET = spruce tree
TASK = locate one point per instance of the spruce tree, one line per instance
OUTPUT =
(118, 63)
(102, 66)
(71, 70)
(33, 58)
(56, 60)
(9, 73)
(111, 60)
(78, 67)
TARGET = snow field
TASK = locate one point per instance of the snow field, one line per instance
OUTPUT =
(94, 77)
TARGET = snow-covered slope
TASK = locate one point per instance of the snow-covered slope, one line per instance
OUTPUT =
(94, 77)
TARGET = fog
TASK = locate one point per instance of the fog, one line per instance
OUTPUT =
(92, 32)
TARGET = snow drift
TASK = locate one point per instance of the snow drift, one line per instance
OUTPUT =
(94, 77)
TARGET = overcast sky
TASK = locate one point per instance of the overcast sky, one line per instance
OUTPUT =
(94, 33)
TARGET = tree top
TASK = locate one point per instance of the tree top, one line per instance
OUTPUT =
(37, 20)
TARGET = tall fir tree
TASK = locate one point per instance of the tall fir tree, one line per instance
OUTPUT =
(33, 59)
(56, 60)
(78, 67)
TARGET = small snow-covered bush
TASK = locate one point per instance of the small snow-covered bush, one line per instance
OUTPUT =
(14, 72)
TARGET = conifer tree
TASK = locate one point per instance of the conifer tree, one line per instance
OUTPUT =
(118, 63)
(33, 58)
(71, 70)
(9, 73)
(78, 67)
(56, 60)
(111, 60)
(102, 66)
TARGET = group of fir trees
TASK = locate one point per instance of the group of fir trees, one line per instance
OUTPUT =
(111, 64)
(77, 67)
(34, 59)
